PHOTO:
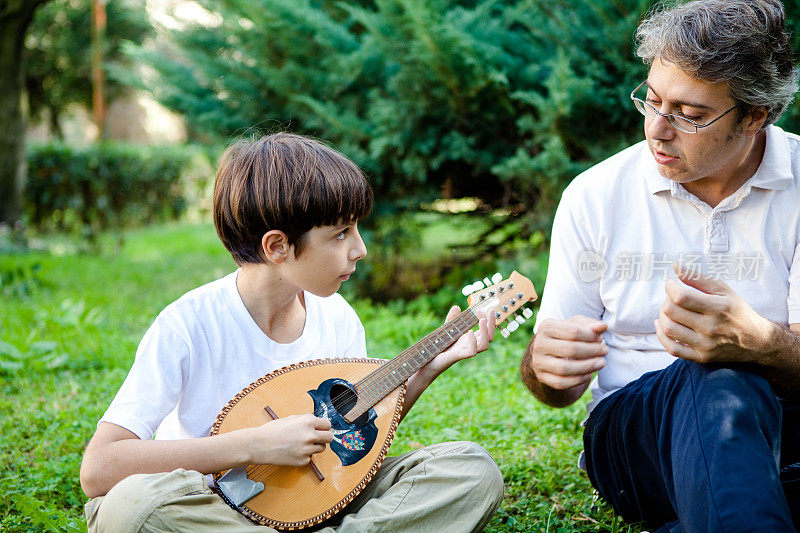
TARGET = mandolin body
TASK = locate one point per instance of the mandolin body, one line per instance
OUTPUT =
(295, 497)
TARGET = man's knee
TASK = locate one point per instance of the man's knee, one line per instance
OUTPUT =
(728, 397)
(723, 383)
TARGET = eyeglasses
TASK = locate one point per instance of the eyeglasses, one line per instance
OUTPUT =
(678, 122)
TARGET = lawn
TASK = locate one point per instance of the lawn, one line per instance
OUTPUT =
(70, 324)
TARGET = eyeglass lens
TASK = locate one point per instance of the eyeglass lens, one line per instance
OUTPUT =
(679, 123)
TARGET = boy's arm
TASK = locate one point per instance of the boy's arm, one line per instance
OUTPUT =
(115, 453)
(468, 345)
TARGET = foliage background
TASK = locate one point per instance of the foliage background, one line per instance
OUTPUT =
(495, 99)
(503, 100)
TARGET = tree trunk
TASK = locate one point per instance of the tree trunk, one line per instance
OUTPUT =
(99, 23)
(15, 17)
(55, 122)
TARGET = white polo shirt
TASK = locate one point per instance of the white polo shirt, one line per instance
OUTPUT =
(620, 226)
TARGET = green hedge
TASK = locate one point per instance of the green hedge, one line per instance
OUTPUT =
(105, 186)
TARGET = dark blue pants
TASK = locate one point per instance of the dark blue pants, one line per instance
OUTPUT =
(697, 448)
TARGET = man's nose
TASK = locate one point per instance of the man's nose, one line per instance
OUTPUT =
(659, 128)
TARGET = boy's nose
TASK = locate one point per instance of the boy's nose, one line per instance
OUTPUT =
(359, 249)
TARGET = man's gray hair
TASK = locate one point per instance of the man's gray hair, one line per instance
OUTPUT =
(741, 42)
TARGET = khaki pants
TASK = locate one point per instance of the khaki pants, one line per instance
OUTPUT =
(453, 486)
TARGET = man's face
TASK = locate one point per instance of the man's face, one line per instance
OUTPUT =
(715, 152)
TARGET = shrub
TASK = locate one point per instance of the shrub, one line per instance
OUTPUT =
(106, 186)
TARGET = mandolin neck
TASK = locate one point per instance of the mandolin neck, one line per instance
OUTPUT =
(395, 372)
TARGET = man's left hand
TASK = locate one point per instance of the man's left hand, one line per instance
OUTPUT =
(702, 319)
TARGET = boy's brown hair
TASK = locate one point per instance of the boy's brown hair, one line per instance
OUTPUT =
(283, 182)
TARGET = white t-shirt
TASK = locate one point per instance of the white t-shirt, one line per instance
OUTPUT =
(620, 226)
(204, 348)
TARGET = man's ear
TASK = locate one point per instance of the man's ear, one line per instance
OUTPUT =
(754, 121)
(275, 246)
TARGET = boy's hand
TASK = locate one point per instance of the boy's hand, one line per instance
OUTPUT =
(289, 441)
(468, 345)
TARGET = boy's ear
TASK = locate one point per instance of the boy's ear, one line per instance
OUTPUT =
(275, 246)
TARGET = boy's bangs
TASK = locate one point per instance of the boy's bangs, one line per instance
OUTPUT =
(337, 191)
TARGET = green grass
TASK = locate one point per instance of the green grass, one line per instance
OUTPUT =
(70, 324)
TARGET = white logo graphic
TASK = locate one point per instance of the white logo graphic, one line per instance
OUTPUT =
(591, 266)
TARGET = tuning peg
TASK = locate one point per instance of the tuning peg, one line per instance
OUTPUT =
(487, 282)
(519, 319)
(527, 313)
(475, 287)
(505, 333)
(513, 326)
(497, 278)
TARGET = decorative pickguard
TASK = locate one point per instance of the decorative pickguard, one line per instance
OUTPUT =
(351, 442)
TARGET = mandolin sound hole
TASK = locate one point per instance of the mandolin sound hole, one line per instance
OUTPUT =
(343, 398)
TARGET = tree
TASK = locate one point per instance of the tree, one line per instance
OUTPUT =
(498, 99)
(15, 17)
(58, 53)
(507, 100)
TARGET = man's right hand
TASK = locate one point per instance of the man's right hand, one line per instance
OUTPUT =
(566, 353)
(289, 441)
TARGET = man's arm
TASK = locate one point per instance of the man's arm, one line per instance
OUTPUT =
(704, 320)
(562, 358)
(781, 365)
(115, 453)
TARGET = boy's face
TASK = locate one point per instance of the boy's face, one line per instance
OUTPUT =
(329, 257)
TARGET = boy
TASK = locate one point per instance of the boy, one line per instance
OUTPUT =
(287, 208)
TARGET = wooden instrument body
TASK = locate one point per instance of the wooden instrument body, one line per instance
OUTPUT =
(294, 497)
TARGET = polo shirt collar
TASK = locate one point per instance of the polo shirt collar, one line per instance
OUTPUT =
(774, 172)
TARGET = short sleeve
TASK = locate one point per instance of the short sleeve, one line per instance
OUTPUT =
(794, 288)
(575, 266)
(153, 386)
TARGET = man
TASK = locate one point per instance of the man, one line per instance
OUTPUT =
(675, 275)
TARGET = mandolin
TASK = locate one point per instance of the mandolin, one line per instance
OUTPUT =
(363, 399)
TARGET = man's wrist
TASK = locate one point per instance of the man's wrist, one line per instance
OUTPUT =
(766, 334)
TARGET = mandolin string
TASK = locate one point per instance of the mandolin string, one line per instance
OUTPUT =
(338, 401)
(425, 341)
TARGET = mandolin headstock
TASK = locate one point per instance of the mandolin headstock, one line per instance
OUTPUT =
(501, 298)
